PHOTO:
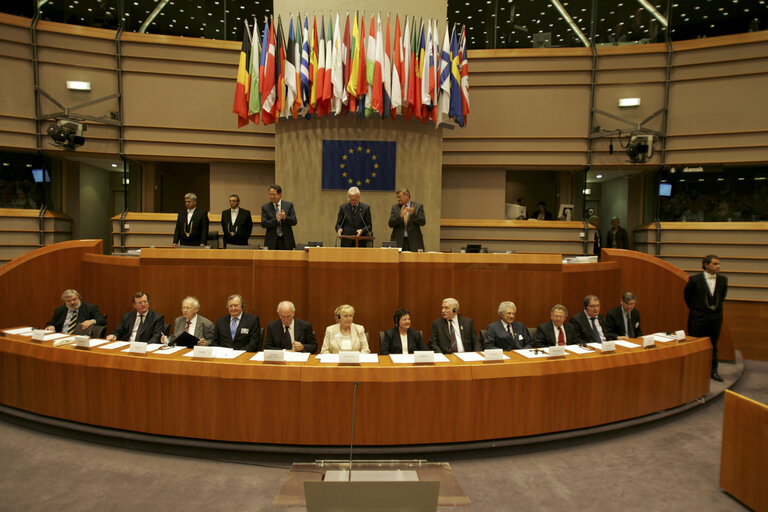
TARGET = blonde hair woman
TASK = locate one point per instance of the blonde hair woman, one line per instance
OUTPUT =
(345, 334)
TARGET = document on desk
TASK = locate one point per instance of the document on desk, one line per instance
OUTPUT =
(151, 347)
(334, 358)
(95, 342)
(410, 358)
(468, 357)
(116, 344)
(596, 345)
(531, 353)
(20, 330)
(628, 344)
(55, 336)
(576, 349)
(221, 353)
(290, 357)
(168, 350)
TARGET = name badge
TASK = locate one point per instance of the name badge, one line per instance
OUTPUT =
(349, 357)
(244, 330)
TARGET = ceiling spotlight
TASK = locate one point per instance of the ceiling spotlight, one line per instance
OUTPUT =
(67, 134)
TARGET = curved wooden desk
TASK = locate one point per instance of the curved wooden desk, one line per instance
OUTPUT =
(310, 404)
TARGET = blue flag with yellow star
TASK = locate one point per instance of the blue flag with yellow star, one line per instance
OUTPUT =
(365, 164)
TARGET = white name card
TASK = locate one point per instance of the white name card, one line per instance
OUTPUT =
(493, 354)
(202, 351)
(608, 346)
(83, 342)
(557, 351)
(38, 334)
(423, 356)
(137, 347)
(274, 356)
(649, 341)
(680, 335)
(349, 357)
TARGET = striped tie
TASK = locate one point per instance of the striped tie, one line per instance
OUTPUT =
(72, 323)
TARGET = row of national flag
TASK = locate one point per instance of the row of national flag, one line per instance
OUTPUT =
(327, 70)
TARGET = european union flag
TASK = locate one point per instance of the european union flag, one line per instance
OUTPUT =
(365, 164)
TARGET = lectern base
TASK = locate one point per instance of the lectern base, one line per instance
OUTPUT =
(307, 481)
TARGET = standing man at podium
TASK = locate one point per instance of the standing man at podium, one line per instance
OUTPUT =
(236, 223)
(354, 219)
(278, 218)
(406, 219)
(704, 294)
(191, 224)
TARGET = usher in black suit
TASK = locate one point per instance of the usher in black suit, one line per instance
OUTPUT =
(705, 316)
(197, 228)
(239, 232)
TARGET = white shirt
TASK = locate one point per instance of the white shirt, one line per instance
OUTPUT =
(597, 325)
(233, 214)
(192, 325)
(457, 330)
(189, 215)
(557, 333)
(290, 330)
(711, 281)
(404, 342)
(136, 325)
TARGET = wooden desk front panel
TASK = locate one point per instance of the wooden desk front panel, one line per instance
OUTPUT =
(311, 404)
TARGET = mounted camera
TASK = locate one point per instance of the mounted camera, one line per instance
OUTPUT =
(640, 148)
(67, 134)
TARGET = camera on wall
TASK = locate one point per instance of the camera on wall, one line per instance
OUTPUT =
(67, 134)
(640, 148)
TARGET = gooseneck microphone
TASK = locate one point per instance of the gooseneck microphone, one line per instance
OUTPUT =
(341, 226)
(352, 437)
(368, 231)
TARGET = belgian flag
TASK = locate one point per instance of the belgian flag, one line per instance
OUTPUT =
(240, 106)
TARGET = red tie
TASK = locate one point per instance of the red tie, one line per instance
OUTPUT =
(560, 336)
(189, 322)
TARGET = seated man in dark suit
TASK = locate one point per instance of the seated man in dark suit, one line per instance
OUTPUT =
(624, 321)
(288, 332)
(590, 324)
(453, 332)
(401, 339)
(237, 330)
(556, 332)
(191, 224)
(507, 334)
(236, 223)
(75, 316)
(140, 325)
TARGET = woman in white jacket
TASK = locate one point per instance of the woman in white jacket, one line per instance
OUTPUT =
(345, 335)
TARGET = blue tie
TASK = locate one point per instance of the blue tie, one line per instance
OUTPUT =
(595, 331)
(233, 328)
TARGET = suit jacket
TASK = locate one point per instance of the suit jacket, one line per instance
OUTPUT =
(583, 327)
(203, 328)
(150, 332)
(614, 322)
(198, 229)
(242, 227)
(535, 215)
(545, 335)
(418, 219)
(497, 336)
(269, 222)
(700, 300)
(349, 221)
(440, 339)
(302, 331)
(246, 337)
(393, 344)
(331, 342)
(85, 312)
(622, 239)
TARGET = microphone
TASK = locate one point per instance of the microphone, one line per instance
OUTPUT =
(364, 224)
(336, 243)
(352, 437)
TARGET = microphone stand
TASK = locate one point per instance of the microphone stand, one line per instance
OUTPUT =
(352, 437)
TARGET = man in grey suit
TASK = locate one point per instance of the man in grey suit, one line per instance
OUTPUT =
(192, 323)
(406, 219)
